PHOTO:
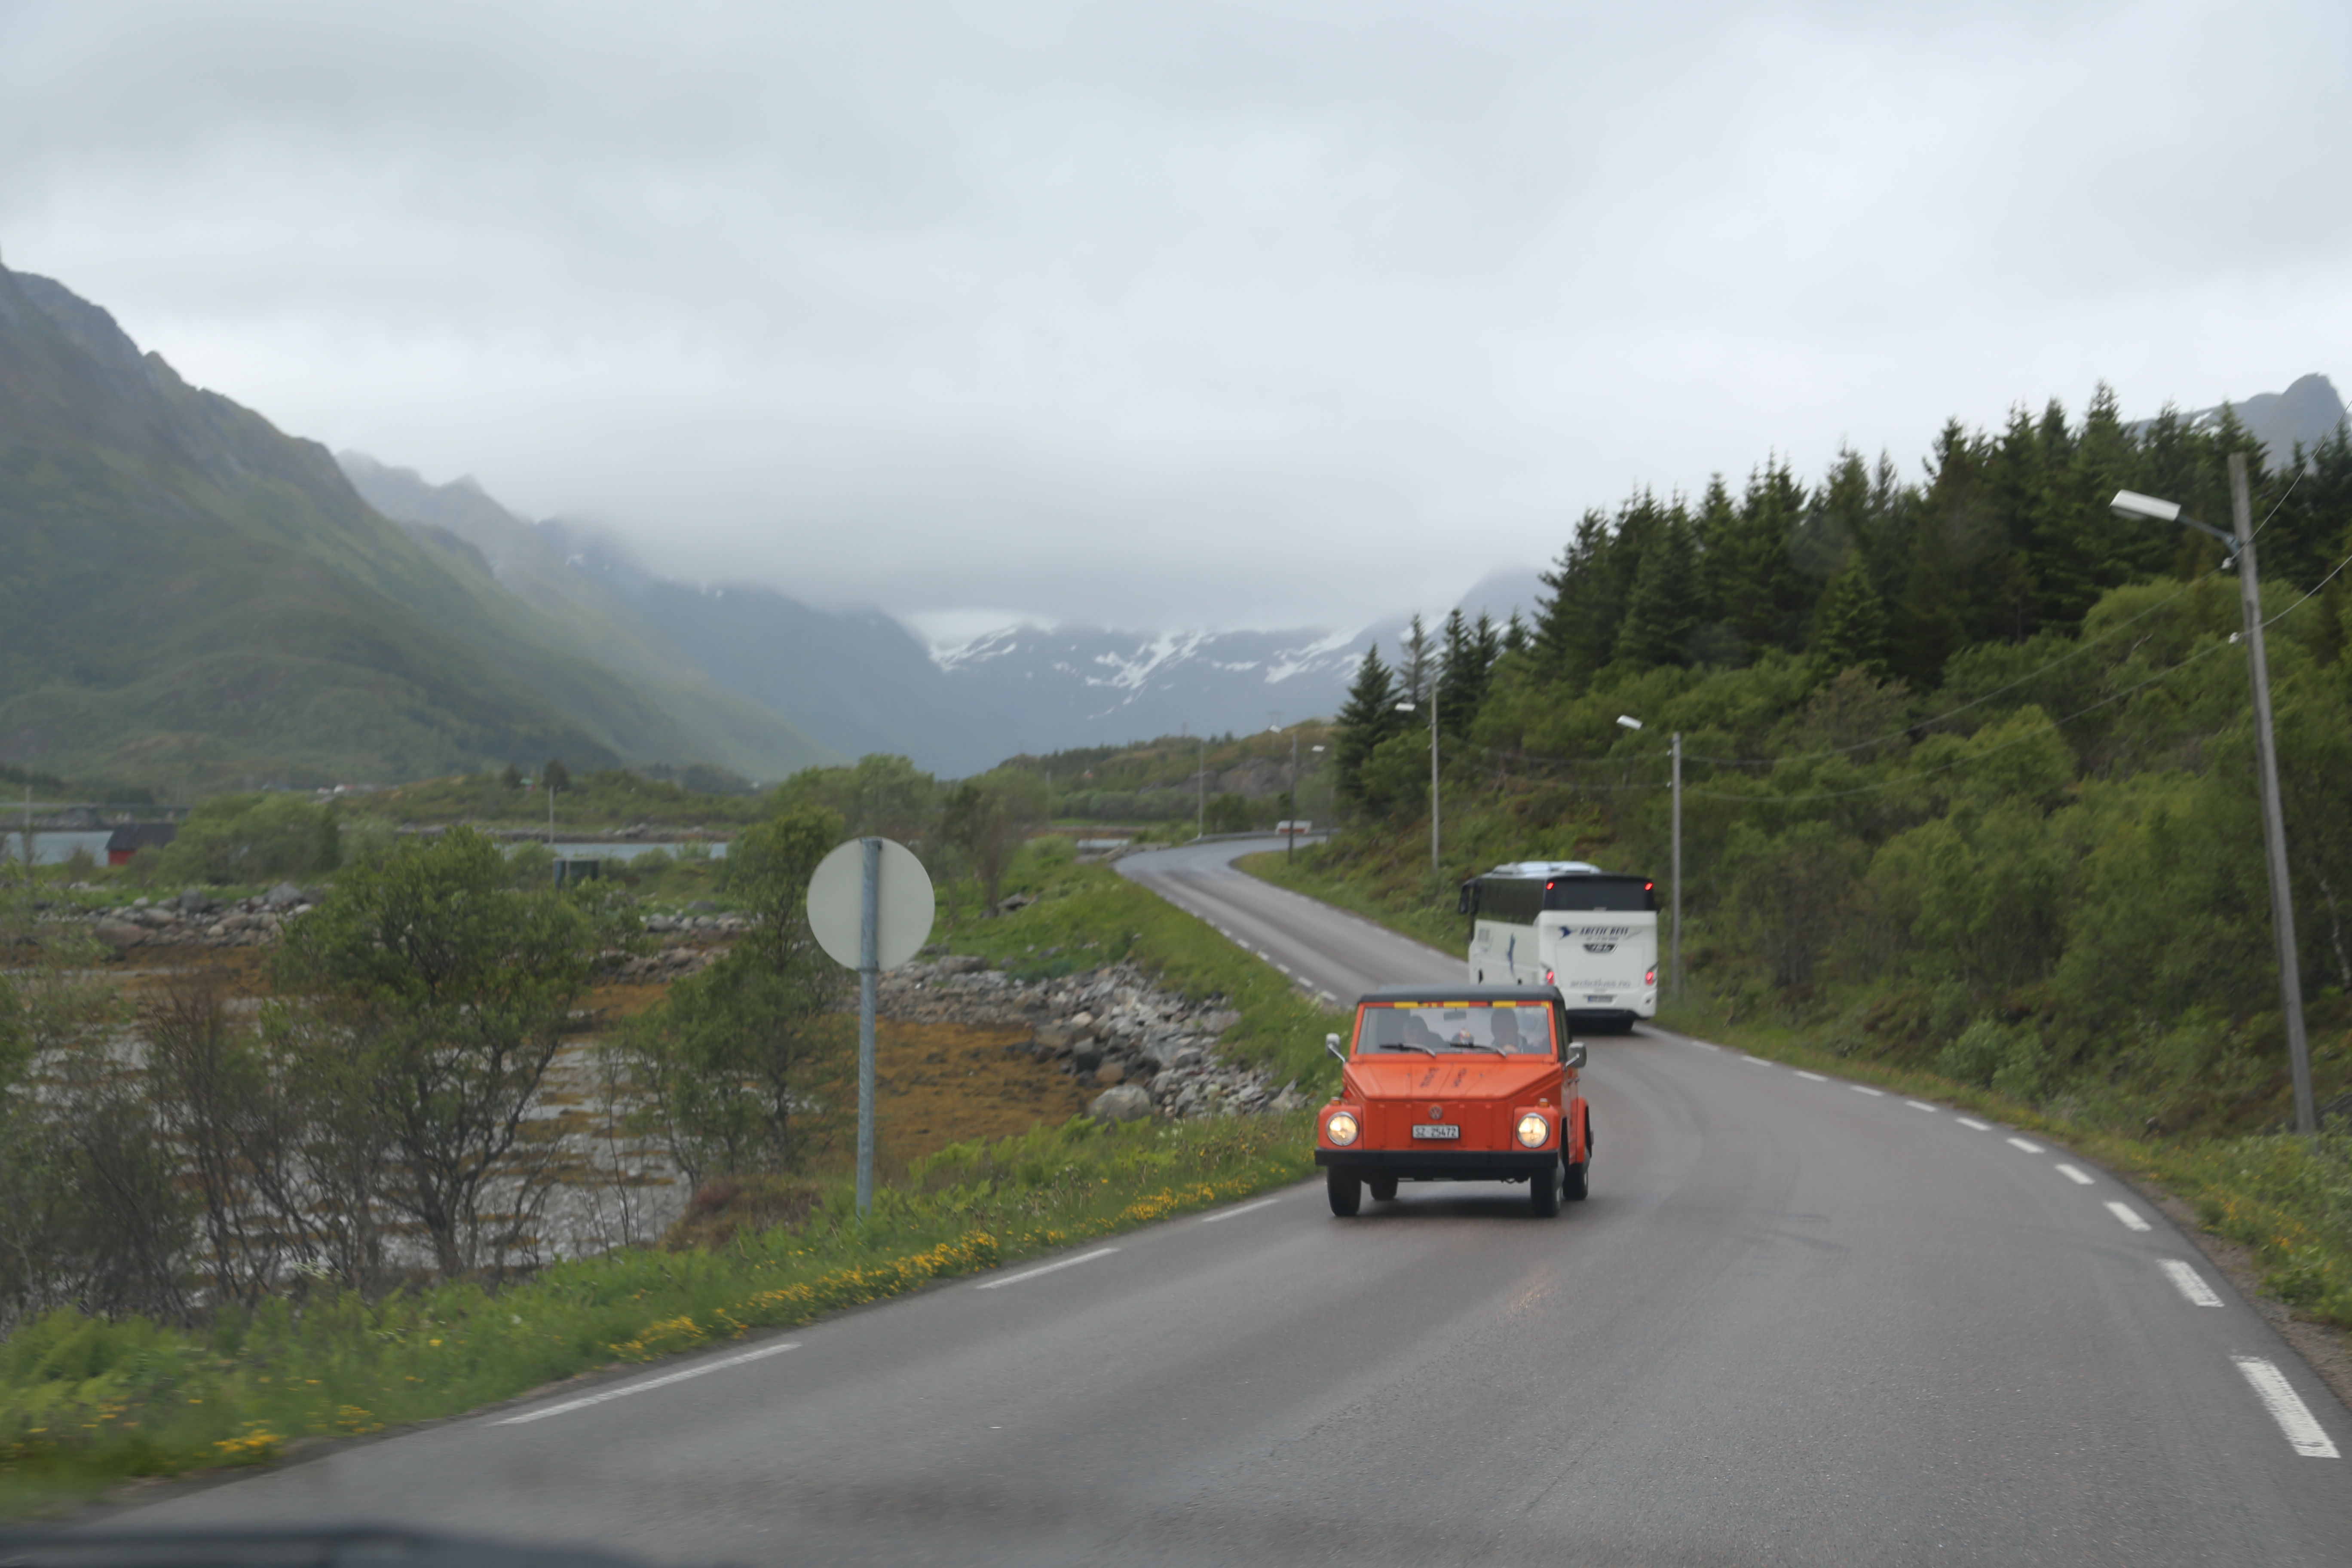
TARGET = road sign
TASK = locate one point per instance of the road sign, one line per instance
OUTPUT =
(906, 906)
(871, 905)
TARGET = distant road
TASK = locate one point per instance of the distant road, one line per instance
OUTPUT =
(1794, 1323)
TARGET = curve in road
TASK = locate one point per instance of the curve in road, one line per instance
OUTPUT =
(1796, 1322)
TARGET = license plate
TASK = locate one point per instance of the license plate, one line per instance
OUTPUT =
(1437, 1130)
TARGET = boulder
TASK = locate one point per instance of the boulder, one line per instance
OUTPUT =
(959, 963)
(1056, 1039)
(1110, 1073)
(283, 896)
(1123, 1102)
(118, 933)
(1219, 1022)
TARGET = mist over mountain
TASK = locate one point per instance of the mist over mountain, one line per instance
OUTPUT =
(198, 598)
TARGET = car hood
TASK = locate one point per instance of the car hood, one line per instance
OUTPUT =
(1450, 1078)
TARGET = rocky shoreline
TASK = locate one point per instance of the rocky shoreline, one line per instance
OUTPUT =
(1151, 1051)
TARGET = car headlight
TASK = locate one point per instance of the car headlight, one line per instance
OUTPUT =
(1341, 1128)
(1534, 1130)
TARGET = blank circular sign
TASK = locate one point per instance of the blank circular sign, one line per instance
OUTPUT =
(836, 896)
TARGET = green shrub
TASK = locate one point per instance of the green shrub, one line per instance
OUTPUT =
(252, 839)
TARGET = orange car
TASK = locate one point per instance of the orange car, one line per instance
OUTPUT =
(1457, 1084)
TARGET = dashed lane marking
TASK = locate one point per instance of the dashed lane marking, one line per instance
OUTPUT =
(1922, 1105)
(722, 1364)
(1972, 1122)
(2287, 1407)
(1759, 1061)
(2022, 1143)
(1865, 1089)
(2123, 1213)
(1814, 1076)
(2188, 1282)
(2075, 1175)
(1228, 1213)
(1048, 1268)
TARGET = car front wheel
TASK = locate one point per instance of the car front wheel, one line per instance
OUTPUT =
(1346, 1192)
(1544, 1189)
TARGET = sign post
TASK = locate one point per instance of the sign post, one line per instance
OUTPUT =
(871, 905)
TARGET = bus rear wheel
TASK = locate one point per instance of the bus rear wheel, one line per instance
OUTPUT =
(1346, 1192)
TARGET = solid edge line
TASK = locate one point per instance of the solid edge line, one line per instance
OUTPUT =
(2188, 1282)
(2287, 1407)
(1048, 1268)
(651, 1384)
(1228, 1213)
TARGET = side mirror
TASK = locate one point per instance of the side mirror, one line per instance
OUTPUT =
(1574, 1060)
(1331, 1044)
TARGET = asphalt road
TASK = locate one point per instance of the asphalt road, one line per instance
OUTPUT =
(1796, 1322)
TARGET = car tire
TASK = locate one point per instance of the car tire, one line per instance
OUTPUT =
(1544, 1189)
(1346, 1192)
(1577, 1186)
(1384, 1189)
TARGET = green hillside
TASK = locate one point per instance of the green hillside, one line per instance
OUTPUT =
(193, 597)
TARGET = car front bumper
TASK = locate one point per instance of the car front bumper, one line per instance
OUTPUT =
(1441, 1164)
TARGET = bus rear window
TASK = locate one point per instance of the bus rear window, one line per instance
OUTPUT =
(1616, 895)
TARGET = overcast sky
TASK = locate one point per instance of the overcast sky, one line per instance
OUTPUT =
(1194, 315)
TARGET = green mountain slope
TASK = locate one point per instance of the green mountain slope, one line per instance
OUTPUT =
(189, 595)
(522, 572)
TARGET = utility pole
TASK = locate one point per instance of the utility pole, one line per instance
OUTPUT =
(1434, 871)
(1200, 782)
(2241, 546)
(1674, 947)
(2298, 1050)
(1290, 848)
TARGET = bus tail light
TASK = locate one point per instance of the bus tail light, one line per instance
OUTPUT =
(1651, 977)
(1548, 977)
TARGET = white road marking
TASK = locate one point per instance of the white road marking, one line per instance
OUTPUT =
(1228, 1213)
(1922, 1105)
(2190, 1283)
(2075, 1175)
(2287, 1407)
(1814, 1076)
(1261, 953)
(1864, 1088)
(2123, 1213)
(1972, 1122)
(1048, 1268)
(650, 1383)
(2022, 1143)
(1702, 1045)
(1759, 1061)
(1327, 995)
(1283, 967)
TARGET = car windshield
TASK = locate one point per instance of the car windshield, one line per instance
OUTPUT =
(1504, 1028)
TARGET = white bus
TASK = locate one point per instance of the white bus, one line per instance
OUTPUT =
(1592, 933)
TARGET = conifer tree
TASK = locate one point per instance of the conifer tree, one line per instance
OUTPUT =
(1661, 615)
(1368, 718)
(1852, 622)
(1417, 664)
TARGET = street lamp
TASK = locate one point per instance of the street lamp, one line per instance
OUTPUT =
(1407, 708)
(2240, 548)
(1675, 942)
